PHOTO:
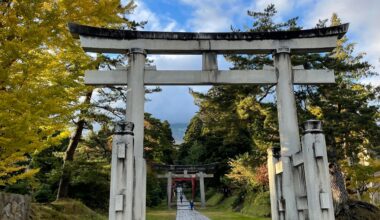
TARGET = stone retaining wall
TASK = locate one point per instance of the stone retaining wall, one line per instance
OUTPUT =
(14, 206)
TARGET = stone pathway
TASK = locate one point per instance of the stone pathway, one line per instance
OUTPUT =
(183, 209)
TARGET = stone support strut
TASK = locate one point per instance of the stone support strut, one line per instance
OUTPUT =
(311, 176)
(122, 172)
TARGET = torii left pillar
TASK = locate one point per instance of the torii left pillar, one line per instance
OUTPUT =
(128, 174)
(135, 114)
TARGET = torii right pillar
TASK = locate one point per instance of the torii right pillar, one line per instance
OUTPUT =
(202, 189)
(288, 127)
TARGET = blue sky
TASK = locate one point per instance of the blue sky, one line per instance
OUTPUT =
(175, 104)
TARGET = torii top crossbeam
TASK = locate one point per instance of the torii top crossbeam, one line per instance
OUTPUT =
(94, 39)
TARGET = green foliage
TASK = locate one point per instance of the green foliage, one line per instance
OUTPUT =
(44, 194)
(158, 148)
(99, 143)
(155, 190)
(158, 140)
(246, 176)
(90, 182)
(242, 172)
(43, 184)
(362, 177)
(264, 21)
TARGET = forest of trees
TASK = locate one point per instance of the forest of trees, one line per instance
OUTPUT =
(56, 133)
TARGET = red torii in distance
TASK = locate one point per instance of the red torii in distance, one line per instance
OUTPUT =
(186, 173)
(193, 184)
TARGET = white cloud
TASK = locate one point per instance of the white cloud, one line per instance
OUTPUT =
(155, 22)
(212, 16)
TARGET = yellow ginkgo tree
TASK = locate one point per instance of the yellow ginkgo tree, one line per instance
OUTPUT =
(41, 69)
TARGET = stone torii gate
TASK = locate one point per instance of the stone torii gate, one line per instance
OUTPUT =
(186, 172)
(128, 174)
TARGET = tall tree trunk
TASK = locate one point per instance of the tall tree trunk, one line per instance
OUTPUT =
(338, 188)
(70, 151)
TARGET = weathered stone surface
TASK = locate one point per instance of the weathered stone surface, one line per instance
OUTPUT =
(124, 127)
(14, 206)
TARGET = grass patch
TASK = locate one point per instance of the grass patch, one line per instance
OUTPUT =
(227, 203)
(65, 209)
(154, 214)
(69, 209)
(217, 214)
(224, 210)
(215, 199)
(257, 204)
(220, 208)
(210, 192)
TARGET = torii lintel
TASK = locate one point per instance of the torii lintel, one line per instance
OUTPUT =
(104, 40)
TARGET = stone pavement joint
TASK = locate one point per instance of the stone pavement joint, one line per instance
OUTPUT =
(183, 209)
